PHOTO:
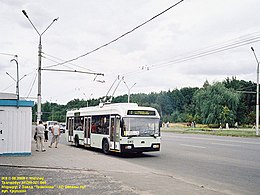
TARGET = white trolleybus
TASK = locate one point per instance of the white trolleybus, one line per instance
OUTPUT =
(120, 127)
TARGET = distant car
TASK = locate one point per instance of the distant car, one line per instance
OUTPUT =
(50, 124)
(62, 128)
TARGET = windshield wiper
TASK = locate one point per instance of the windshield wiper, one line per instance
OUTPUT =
(153, 135)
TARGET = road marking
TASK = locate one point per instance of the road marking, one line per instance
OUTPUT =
(221, 144)
(193, 146)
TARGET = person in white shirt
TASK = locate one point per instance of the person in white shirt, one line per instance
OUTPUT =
(55, 135)
(39, 137)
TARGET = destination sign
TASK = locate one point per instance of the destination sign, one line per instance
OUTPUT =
(141, 112)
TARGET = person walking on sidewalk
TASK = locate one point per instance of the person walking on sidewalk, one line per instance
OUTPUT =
(39, 137)
(46, 131)
(55, 135)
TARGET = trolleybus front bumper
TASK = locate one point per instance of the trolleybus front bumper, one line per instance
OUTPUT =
(129, 148)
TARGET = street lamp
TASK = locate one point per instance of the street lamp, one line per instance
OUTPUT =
(17, 79)
(88, 98)
(257, 93)
(39, 113)
(128, 99)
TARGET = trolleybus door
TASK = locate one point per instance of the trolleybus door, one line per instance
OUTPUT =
(70, 128)
(117, 122)
(114, 132)
(87, 122)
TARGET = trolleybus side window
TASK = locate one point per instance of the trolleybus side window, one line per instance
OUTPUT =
(70, 125)
(78, 123)
(100, 124)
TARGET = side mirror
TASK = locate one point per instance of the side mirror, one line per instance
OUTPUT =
(160, 123)
(121, 124)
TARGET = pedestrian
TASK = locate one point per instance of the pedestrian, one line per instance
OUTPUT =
(55, 134)
(227, 126)
(46, 131)
(192, 124)
(220, 126)
(236, 125)
(39, 137)
(168, 124)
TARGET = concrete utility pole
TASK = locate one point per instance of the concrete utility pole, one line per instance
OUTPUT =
(257, 93)
(39, 112)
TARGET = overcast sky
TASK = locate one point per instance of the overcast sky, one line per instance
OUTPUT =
(156, 56)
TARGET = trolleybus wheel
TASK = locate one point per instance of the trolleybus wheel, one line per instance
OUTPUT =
(76, 141)
(105, 146)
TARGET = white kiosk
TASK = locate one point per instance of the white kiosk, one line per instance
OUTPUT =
(15, 125)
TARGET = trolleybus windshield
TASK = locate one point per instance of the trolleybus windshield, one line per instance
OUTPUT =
(141, 127)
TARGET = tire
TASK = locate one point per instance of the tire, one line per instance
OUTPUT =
(76, 141)
(105, 146)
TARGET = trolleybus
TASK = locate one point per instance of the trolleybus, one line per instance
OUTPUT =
(119, 127)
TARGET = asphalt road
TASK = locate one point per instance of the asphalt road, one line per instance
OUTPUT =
(227, 165)
(187, 164)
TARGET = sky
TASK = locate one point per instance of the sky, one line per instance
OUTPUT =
(195, 41)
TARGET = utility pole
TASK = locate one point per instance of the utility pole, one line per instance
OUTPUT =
(39, 112)
(257, 93)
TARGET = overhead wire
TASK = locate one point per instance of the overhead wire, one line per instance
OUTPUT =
(55, 62)
(217, 48)
(8, 54)
(63, 61)
(210, 52)
(48, 68)
(8, 87)
(108, 43)
(121, 36)
(193, 55)
(32, 85)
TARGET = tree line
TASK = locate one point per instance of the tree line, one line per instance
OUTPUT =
(223, 102)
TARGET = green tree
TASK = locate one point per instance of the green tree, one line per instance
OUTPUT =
(215, 102)
(76, 103)
(166, 103)
(247, 101)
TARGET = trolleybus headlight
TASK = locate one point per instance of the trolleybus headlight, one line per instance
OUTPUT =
(156, 146)
(128, 147)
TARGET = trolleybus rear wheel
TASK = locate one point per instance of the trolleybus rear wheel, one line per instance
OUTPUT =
(105, 146)
(76, 141)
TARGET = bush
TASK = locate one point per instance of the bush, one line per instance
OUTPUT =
(213, 126)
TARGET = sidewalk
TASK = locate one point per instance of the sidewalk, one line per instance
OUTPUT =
(62, 170)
